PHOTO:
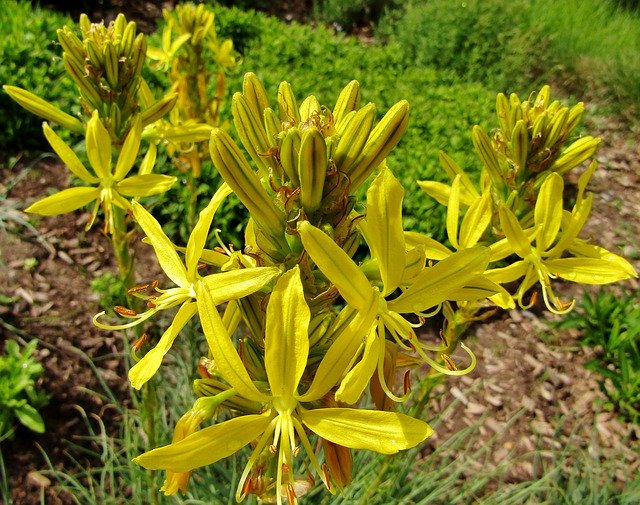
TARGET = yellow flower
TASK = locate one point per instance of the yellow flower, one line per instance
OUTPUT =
(555, 233)
(288, 414)
(220, 287)
(108, 182)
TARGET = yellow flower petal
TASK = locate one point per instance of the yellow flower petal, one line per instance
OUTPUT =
(286, 334)
(548, 210)
(334, 365)
(513, 231)
(206, 446)
(67, 155)
(383, 432)
(167, 256)
(98, 144)
(383, 228)
(475, 221)
(234, 284)
(589, 270)
(201, 230)
(440, 282)
(337, 266)
(224, 353)
(355, 382)
(144, 369)
(453, 212)
(64, 201)
(129, 151)
(138, 186)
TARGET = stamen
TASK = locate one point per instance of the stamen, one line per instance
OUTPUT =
(406, 382)
(449, 362)
(202, 370)
(325, 471)
(273, 449)
(291, 494)
(137, 289)
(443, 337)
(124, 311)
(140, 342)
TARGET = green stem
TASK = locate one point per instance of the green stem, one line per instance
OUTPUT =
(150, 405)
(4, 485)
(122, 248)
(125, 258)
(192, 191)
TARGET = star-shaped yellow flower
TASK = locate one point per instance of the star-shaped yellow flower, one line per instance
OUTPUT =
(108, 182)
(288, 413)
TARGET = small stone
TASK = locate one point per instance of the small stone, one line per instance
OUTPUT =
(36, 479)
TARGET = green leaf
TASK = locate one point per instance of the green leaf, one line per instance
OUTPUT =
(29, 417)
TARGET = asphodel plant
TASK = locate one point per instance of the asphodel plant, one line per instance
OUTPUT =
(304, 340)
(189, 47)
(195, 60)
(520, 209)
(118, 109)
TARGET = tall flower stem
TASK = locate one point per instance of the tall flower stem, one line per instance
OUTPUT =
(122, 249)
(125, 258)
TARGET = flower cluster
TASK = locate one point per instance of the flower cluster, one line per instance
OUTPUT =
(306, 328)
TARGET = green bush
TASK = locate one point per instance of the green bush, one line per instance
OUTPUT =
(346, 16)
(30, 56)
(488, 42)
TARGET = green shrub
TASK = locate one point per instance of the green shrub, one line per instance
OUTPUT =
(611, 323)
(30, 56)
(489, 42)
(19, 399)
(346, 16)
